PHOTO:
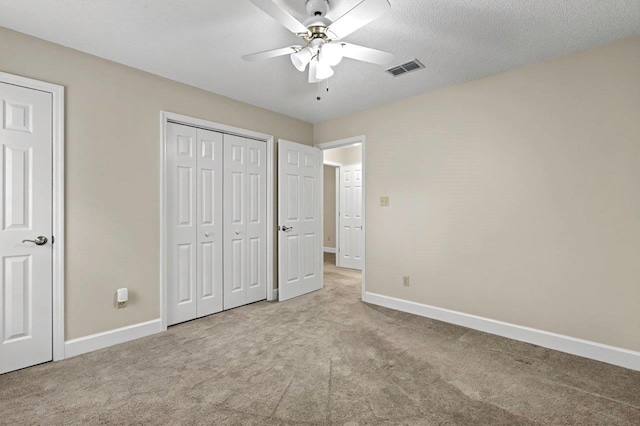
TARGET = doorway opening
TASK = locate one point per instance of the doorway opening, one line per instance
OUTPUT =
(344, 213)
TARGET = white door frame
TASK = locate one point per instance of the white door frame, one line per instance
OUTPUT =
(57, 93)
(339, 144)
(166, 117)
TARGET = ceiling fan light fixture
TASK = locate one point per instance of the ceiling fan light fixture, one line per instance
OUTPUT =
(324, 48)
(332, 53)
(301, 58)
(323, 70)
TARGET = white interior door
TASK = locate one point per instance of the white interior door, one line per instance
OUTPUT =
(300, 215)
(25, 214)
(181, 235)
(351, 232)
(256, 233)
(245, 228)
(209, 217)
(194, 237)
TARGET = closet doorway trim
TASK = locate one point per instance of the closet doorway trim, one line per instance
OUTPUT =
(170, 117)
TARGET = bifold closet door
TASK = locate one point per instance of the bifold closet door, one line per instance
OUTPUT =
(194, 235)
(209, 216)
(245, 228)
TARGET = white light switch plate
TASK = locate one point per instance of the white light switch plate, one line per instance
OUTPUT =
(123, 294)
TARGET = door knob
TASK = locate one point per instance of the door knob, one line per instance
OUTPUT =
(206, 234)
(286, 228)
(40, 241)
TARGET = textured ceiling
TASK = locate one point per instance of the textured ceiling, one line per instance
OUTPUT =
(200, 42)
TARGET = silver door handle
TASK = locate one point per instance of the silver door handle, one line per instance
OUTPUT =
(39, 241)
(359, 227)
(286, 228)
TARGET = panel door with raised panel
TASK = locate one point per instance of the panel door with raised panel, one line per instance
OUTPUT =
(209, 238)
(25, 213)
(351, 233)
(245, 225)
(256, 216)
(182, 248)
(299, 217)
(235, 221)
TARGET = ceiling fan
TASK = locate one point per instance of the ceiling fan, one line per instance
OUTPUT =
(323, 47)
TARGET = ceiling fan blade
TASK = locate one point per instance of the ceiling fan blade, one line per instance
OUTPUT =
(363, 13)
(271, 53)
(313, 65)
(280, 15)
(366, 54)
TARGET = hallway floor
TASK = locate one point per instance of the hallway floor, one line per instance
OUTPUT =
(323, 358)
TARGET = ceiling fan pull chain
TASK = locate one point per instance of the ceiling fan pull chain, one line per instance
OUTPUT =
(320, 84)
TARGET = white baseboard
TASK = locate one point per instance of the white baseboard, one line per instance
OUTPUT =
(584, 348)
(91, 343)
(330, 250)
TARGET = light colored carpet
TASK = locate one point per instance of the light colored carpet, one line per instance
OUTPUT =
(321, 358)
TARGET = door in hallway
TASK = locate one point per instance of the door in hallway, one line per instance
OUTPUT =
(299, 219)
(25, 227)
(351, 238)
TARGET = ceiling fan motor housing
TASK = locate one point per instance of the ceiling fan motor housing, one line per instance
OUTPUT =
(317, 7)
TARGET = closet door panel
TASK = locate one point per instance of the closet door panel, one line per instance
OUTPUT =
(181, 233)
(256, 203)
(217, 251)
(209, 227)
(235, 206)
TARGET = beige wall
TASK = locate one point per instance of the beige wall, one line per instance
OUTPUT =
(112, 172)
(344, 155)
(514, 197)
(329, 206)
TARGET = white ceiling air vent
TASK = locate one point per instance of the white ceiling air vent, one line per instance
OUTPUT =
(405, 68)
